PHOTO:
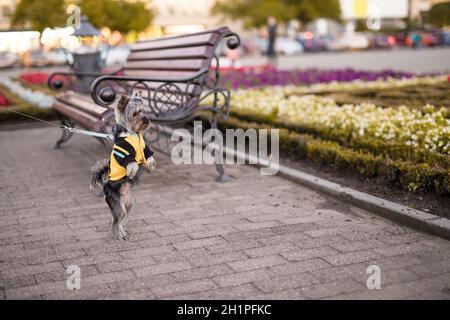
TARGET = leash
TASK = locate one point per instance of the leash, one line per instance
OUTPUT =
(70, 129)
(88, 133)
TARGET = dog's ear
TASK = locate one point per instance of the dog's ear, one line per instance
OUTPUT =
(122, 104)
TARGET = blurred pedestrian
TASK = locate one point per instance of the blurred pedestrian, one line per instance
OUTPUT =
(272, 37)
(416, 38)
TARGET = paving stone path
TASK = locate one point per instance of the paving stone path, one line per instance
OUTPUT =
(255, 237)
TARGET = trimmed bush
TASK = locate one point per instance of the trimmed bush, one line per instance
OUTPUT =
(410, 176)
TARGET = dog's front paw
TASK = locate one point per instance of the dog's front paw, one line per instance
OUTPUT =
(151, 164)
(132, 168)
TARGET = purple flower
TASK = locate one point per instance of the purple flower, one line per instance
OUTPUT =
(255, 77)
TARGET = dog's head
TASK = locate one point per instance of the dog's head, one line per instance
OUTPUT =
(129, 112)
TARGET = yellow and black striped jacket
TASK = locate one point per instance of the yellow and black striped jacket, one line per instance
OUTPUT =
(127, 149)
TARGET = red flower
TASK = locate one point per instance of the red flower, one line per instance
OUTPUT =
(35, 77)
(4, 102)
(39, 78)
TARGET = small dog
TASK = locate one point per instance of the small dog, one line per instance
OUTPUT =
(130, 157)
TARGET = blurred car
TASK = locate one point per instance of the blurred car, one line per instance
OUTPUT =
(312, 43)
(401, 39)
(381, 41)
(283, 46)
(117, 55)
(287, 46)
(431, 39)
(56, 57)
(354, 41)
(7, 59)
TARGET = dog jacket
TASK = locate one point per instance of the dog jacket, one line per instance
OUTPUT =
(125, 150)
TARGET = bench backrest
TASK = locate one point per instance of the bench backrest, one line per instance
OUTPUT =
(173, 58)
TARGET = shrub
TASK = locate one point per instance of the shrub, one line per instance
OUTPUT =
(410, 176)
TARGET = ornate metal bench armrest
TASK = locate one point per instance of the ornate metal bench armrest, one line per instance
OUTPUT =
(106, 95)
(57, 84)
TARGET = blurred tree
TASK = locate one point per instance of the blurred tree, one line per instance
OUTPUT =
(118, 15)
(439, 15)
(39, 14)
(254, 13)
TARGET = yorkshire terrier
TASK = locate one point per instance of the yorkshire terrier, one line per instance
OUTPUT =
(130, 158)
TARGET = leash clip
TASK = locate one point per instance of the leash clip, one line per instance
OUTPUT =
(70, 129)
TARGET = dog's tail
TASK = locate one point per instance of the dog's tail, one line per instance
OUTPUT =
(99, 173)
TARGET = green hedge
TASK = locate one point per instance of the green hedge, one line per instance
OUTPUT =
(410, 176)
(393, 150)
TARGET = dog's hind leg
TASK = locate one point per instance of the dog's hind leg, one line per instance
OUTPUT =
(116, 212)
(128, 201)
(126, 204)
(113, 200)
(122, 232)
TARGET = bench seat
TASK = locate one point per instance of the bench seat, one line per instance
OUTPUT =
(82, 110)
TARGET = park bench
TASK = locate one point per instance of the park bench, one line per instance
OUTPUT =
(173, 75)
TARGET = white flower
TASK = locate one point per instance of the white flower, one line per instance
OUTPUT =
(429, 130)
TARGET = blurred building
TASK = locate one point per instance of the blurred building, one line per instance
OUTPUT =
(176, 17)
(385, 9)
(388, 9)
(389, 13)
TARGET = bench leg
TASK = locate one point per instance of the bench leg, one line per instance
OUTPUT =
(222, 177)
(66, 135)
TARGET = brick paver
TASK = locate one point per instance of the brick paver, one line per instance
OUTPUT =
(255, 237)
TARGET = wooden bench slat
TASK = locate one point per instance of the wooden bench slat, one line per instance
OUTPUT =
(162, 75)
(170, 65)
(78, 116)
(177, 42)
(83, 103)
(179, 53)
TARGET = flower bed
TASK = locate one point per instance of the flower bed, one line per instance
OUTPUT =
(268, 76)
(358, 85)
(39, 78)
(408, 175)
(427, 130)
(35, 98)
(4, 102)
(27, 106)
(408, 146)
